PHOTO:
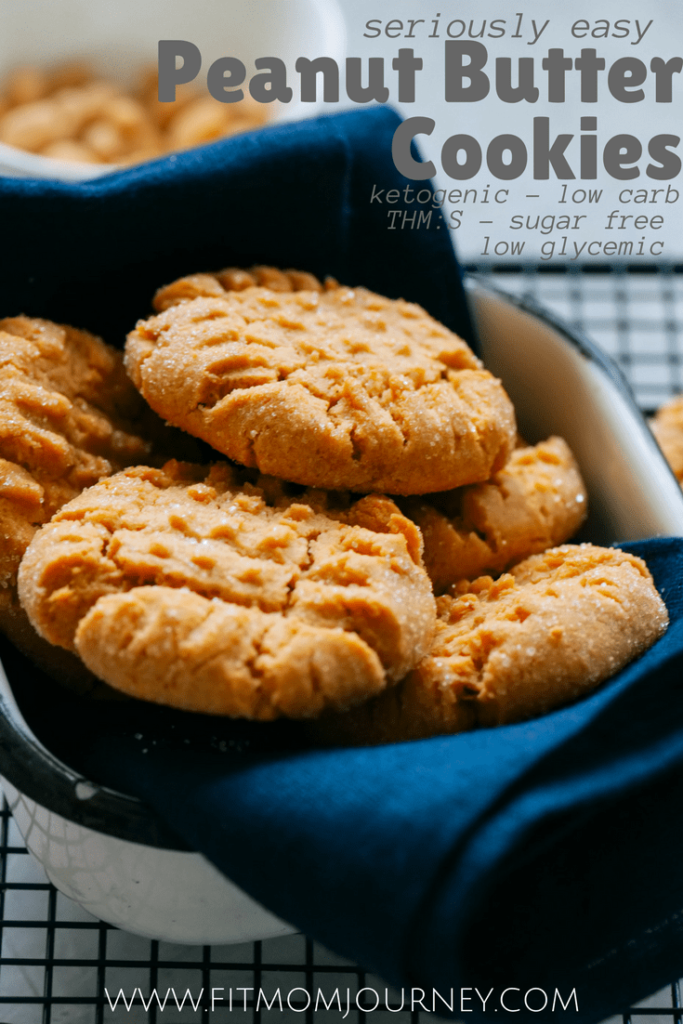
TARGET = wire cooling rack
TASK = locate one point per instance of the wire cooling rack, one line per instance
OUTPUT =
(635, 315)
(59, 965)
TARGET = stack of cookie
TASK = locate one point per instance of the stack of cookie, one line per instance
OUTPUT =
(349, 564)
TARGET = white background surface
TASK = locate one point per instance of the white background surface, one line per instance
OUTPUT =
(491, 117)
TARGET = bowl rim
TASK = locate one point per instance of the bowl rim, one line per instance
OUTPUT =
(15, 162)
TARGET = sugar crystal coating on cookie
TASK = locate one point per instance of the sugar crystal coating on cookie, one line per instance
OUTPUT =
(68, 416)
(667, 426)
(194, 587)
(536, 501)
(331, 387)
(510, 649)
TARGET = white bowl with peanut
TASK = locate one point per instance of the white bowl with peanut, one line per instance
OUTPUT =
(78, 87)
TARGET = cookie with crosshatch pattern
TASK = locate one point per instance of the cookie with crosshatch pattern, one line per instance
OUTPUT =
(536, 501)
(324, 385)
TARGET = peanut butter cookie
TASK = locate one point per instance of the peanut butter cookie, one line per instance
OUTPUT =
(538, 500)
(330, 387)
(507, 650)
(667, 426)
(193, 587)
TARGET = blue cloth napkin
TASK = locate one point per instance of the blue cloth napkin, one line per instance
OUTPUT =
(538, 856)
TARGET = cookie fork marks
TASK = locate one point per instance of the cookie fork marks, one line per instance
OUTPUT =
(344, 592)
(336, 387)
(536, 501)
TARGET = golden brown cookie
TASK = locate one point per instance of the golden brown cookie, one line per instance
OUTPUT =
(507, 650)
(667, 426)
(336, 388)
(538, 500)
(68, 416)
(72, 113)
(187, 586)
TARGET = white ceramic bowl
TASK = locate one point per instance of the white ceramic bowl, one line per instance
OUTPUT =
(562, 383)
(120, 38)
(110, 854)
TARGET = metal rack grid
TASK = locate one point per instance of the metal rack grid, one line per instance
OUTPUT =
(58, 964)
